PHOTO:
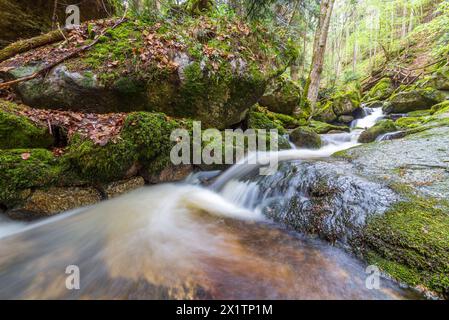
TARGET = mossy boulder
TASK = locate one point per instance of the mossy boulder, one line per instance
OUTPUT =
(323, 128)
(346, 103)
(260, 120)
(306, 138)
(19, 132)
(282, 96)
(413, 100)
(439, 79)
(162, 67)
(440, 108)
(23, 169)
(411, 243)
(381, 91)
(325, 113)
(144, 144)
(370, 135)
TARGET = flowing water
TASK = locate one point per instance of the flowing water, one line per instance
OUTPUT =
(184, 241)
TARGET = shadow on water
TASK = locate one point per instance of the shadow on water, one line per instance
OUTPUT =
(177, 242)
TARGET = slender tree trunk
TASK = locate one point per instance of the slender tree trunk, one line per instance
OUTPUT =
(319, 49)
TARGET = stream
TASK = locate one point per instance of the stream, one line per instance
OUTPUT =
(188, 241)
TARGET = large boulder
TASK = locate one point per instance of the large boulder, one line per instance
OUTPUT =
(282, 96)
(137, 67)
(413, 100)
(346, 103)
(325, 113)
(306, 138)
(142, 148)
(381, 91)
(439, 79)
(410, 240)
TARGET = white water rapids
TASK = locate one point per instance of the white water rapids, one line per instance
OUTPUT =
(181, 241)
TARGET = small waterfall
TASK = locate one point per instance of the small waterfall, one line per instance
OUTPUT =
(373, 115)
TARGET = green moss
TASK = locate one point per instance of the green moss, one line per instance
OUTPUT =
(381, 91)
(325, 113)
(323, 128)
(17, 174)
(409, 122)
(440, 108)
(20, 132)
(410, 241)
(379, 129)
(259, 120)
(145, 137)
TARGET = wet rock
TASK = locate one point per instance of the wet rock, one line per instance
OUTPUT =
(345, 119)
(304, 137)
(322, 198)
(172, 173)
(379, 129)
(413, 100)
(409, 241)
(44, 203)
(282, 96)
(118, 188)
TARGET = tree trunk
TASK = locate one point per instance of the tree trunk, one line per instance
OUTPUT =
(319, 49)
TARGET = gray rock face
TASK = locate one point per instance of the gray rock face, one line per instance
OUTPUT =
(321, 198)
(419, 160)
(62, 89)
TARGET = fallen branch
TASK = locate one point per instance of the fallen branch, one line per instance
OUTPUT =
(26, 45)
(59, 61)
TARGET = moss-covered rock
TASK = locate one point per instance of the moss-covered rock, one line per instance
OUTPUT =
(411, 243)
(282, 96)
(260, 120)
(325, 113)
(163, 67)
(19, 132)
(381, 91)
(408, 122)
(413, 99)
(379, 129)
(22, 169)
(346, 103)
(306, 138)
(439, 79)
(323, 128)
(143, 143)
(440, 108)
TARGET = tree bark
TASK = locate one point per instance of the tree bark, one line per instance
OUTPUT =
(319, 49)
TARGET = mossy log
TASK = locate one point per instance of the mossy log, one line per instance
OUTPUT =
(28, 44)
